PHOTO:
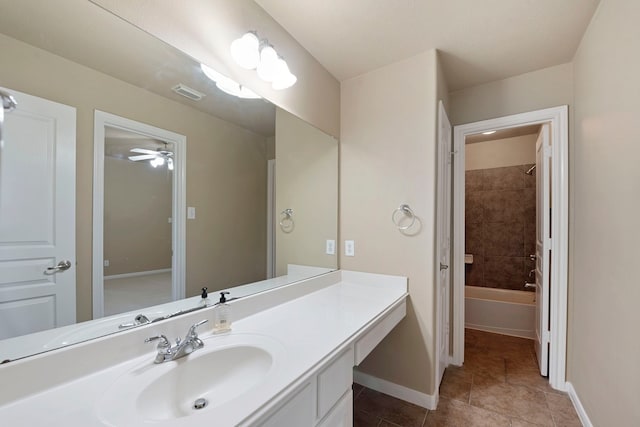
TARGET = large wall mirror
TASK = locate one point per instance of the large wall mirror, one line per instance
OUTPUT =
(218, 192)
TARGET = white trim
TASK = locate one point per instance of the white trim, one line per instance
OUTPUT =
(178, 234)
(558, 117)
(582, 414)
(271, 207)
(424, 400)
(137, 274)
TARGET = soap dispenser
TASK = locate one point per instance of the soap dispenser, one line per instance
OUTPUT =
(222, 315)
(204, 300)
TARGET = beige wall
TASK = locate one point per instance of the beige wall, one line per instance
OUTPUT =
(307, 182)
(499, 153)
(137, 208)
(388, 157)
(549, 87)
(226, 172)
(205, 30)
(271, 147)
(604, 344)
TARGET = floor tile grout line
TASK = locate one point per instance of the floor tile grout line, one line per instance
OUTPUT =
(424, 420)
(359, 393)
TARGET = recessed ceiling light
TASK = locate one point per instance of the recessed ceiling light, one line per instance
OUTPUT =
(489, 132)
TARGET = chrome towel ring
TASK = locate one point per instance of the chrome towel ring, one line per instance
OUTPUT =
(396, 218)
(286, 221)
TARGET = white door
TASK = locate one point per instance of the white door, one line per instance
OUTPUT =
(444, 238)
(543, 246)
(37, 216)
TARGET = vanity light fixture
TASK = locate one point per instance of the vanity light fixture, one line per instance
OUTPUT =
(252, 53)
(228, 85)
(246, 51)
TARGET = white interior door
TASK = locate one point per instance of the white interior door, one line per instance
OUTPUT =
(444, 238)
(37, 216)
(543, 246)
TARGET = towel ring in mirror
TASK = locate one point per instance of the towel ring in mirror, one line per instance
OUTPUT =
(286, 221)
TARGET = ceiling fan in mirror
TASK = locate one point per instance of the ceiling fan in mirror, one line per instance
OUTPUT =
(156, 157)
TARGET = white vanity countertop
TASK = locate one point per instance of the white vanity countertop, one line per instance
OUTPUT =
(308, 330)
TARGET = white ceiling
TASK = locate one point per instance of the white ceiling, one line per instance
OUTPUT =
(480, 40)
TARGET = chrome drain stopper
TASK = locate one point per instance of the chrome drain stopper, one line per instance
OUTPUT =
(200, 403)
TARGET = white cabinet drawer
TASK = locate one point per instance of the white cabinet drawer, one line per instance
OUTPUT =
(342, 413)
(297, 411)
(373, 337)
(334, 381)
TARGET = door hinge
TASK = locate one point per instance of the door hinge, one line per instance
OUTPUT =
(546, 337)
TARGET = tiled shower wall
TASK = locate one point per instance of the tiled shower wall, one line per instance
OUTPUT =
(500, 226)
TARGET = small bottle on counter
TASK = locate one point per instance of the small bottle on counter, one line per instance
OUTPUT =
(204, 300)
(222, 315)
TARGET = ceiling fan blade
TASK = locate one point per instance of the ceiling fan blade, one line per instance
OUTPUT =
(143, 157)
(143, 151)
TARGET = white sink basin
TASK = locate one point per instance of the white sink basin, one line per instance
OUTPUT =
(227, 368)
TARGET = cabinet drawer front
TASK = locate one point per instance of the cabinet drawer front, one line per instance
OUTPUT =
(334, 381)
(372, 338)
(342, 413)
(297, 411)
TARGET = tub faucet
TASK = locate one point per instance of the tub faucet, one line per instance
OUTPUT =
(188, 345)
(532, 273)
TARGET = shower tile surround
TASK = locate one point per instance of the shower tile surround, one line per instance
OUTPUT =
(500, 226)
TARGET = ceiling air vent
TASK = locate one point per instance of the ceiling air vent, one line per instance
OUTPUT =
(188, 92)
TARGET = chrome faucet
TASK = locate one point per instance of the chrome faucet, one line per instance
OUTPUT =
(140, 319)
(188, 345)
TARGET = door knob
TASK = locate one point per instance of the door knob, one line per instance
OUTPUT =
(443, 266)
(62, 266)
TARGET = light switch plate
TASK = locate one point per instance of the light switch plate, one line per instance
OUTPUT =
(191, 212)
(349, 248)
(331, 247)
(106, 263)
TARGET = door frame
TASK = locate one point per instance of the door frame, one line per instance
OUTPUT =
(558, 118)
(271, 214)
(178, 233)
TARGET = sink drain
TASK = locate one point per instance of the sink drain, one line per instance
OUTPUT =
(200, 403)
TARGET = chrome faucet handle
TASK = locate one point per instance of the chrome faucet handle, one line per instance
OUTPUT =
(164, 343)
(192, 334)
(163, 347)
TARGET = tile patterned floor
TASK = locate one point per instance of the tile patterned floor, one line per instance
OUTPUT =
(499, 385)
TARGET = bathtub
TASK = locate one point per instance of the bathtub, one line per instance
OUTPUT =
(502, 311)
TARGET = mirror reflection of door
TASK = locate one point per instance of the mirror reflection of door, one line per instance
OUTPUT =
(138, 189)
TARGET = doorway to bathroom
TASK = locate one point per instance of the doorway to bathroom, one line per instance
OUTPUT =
(497, 248)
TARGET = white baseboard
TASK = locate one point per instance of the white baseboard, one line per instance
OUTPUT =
(137, 273)
(582, 414)
(424, 400)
